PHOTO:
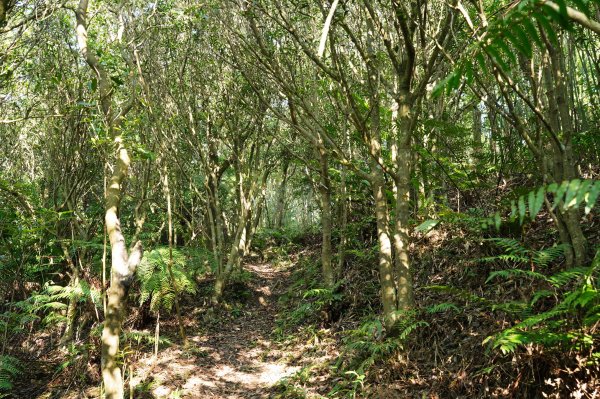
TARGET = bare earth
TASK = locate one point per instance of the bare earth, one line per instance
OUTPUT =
(229, 357)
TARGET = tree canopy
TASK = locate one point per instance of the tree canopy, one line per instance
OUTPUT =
(409, 187)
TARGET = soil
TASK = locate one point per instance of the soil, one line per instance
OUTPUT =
(231, 353)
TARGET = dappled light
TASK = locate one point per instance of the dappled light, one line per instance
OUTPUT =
(299, 199)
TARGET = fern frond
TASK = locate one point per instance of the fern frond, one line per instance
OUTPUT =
(509, 273)
(443, 307)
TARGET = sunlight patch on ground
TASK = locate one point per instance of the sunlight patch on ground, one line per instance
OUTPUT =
(265, 375)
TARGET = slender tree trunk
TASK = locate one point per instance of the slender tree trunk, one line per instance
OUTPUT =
(170, 263)
(73, 299)
(123, 264)
(280, 212)
(326, 219)
(403, 164)
(123, 268)
(386, 273)
(343, 215)
(563, 167)
(401, 231)
(238, 243)
(477, 135)
(232, 259)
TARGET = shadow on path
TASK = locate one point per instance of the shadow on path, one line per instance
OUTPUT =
(228, 357)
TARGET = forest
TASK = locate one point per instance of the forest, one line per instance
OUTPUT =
(243, 199)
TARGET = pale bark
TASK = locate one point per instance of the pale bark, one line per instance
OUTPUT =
(563, 167)
(386, 274)
(280, 211)
(403, 163)
(343, 215)
(123, 264)
(326, 220)
(123, 268)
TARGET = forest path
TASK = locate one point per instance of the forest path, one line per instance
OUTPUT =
(231, 354)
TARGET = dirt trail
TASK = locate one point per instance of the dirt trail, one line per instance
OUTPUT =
(231, 356)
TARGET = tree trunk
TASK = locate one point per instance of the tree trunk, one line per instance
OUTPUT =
(170, 263)
(280, 212)
(123, 264)
(122, 273)
(403, 165)
(326, 218)
(343, 215)
(386, 274)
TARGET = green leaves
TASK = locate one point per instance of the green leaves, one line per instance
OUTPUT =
(427, 226)
(562, 324)
(536, 201)
(156, 283)
(518, 31)
(10, 368)
(516, 253)
(568, 195)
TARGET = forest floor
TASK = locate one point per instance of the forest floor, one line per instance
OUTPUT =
(232, 353)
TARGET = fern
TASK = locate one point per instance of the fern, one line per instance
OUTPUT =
(558, 326)
(567, 195)
(155, 279)
(145, 337)
(10, 368)
(367, 344)
(517, 29)
(511, 273)
(443, 307)
(515, 252)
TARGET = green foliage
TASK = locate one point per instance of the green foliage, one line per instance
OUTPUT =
(567, 195)
(145, 338)
(313, 302)
(443, 307)
(519, 29)
(515, 252)
(427, 226)
(156, 285)
(10, 369)
(367, 345)
(567, 324)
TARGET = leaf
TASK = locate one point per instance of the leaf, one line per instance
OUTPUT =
(481, 61)
(522, 209)
(506, 50)
(495, 54)
(592, 196)
(583, 192)
(427, 225)
(532, 32)
(560, 191)
(443, 307)
(571, 196)
(497, 221)
(560, 16)
(548, 28)
(513, 210)
(518, 38)
(536, 201)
